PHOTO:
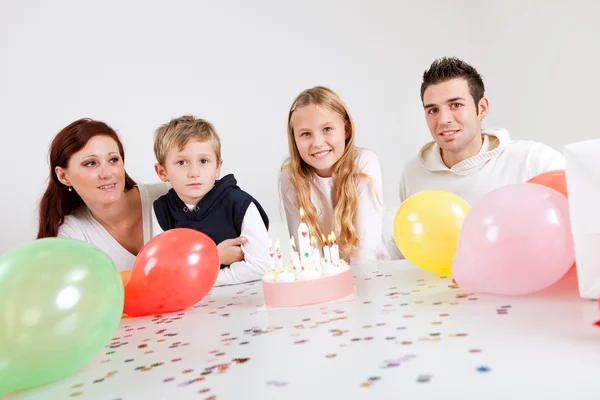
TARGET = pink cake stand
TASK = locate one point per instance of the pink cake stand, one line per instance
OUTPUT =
(303, 293)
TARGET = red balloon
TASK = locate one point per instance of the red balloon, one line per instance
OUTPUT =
(173, 271)
(554, 180)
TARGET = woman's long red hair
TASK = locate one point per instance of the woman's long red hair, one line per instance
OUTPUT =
(57, 202)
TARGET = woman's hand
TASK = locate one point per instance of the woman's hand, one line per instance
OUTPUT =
(230, 250)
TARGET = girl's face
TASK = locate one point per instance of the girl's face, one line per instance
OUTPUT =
(96, 172)
(320, 136)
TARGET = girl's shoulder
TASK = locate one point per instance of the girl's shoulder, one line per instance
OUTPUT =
(366, 159)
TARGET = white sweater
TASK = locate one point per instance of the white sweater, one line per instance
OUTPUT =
(501, 161)
(81, 225)
(369, 213)
(256, 250)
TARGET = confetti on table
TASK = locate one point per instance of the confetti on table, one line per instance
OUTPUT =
(301, 341)
(483, 368)
(424, 378)
(331, 355)
(475, 351)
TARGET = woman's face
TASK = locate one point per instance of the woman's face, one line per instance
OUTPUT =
(96, 172)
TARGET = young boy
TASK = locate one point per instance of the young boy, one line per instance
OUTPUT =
(188, 154)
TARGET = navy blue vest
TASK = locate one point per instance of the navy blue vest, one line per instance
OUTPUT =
(219, 214)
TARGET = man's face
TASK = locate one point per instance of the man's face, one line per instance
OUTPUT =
(452, 116)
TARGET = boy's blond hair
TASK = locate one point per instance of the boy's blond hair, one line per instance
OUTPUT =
(179, 131)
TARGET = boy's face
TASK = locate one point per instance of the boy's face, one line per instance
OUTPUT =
(192, 170)
(451, 114)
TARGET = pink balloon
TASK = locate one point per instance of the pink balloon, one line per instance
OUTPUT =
(515, 240)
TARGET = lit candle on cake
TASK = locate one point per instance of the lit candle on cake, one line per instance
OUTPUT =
(278, 258)
(326, 252)
(316, 255)
(271, 255)
(295, 256)
(303, 241)
(335, 252)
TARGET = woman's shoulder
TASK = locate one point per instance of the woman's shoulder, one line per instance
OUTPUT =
(152, 191)
(74, 224)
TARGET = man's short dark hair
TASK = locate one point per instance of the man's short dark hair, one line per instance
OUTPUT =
(447, 68)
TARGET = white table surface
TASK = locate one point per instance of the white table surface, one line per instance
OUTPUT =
(408, 333)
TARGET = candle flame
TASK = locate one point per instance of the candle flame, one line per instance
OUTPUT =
(313, 241)
(302, 213)
(277, 245)
(323, 239)
(332, 237)
(293, 243)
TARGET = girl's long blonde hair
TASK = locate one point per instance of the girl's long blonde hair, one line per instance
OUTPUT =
(345, 173)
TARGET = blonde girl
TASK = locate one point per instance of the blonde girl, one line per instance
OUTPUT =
(337, 185)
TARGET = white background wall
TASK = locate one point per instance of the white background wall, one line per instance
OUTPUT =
(136, 64)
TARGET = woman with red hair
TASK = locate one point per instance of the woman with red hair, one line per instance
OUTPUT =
(90, 197)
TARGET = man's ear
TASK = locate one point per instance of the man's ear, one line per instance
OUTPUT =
(61, 174)
(483, 107)
(161, 172)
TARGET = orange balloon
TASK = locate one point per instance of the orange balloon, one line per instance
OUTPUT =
(173, 271)
(125, 276)
(554, 180)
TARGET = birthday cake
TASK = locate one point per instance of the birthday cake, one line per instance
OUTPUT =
(311, 278)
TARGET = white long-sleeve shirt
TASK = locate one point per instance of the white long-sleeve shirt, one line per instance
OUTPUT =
(81, 225)
(369, 213)
(256, 250)
(501, 161)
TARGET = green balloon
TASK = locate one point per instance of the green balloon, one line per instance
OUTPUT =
(61, 301)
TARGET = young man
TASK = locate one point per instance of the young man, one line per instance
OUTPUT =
(463, 158)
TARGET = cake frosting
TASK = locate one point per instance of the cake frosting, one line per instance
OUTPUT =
(315, 275)
(289, 273)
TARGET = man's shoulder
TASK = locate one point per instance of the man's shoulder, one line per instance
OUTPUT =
(412, 165)
(528, 148)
